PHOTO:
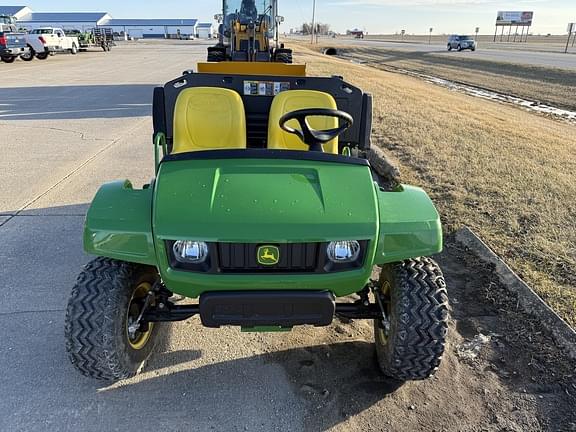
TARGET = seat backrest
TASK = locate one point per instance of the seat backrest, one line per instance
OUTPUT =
(208, 118)
(294, 100)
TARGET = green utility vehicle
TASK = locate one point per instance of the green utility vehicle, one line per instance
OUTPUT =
(266, 210)
(98, 37)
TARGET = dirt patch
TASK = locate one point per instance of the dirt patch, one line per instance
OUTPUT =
(518, 380)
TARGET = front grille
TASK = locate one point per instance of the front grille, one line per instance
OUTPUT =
(242, 258)
(294, 258)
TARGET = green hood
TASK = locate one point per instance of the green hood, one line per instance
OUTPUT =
(264, 200)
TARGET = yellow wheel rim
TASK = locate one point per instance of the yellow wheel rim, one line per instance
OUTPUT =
(139, 339)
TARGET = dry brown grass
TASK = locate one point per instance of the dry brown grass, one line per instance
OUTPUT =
(547, 85)
(506, 173)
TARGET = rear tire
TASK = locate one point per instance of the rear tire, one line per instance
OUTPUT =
(103, 303)
(284, 57)
(42, 56)
(459, 48)
(414, 295)
(74, 49)
(29, 56)
(449, 47)
(7, 59)
(216, 56)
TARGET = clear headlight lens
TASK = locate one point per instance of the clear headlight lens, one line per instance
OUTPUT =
(344, 251)
(190, 252)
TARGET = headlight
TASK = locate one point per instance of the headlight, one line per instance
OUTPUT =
(190, 252)
(344, 251)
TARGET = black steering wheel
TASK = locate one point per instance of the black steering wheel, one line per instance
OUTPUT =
(311, 137)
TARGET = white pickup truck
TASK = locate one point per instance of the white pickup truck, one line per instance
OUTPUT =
(49, 40)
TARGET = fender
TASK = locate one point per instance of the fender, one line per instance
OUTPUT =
(409, 225)
(119, 223)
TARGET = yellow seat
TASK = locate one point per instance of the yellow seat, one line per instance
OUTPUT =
(293, 100)
(209, 118)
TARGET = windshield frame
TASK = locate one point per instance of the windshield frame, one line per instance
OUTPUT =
(41, 31)
(233, 6)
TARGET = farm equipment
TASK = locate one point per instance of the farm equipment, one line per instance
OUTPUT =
(98, 37)
(264, 210)
(248, 32)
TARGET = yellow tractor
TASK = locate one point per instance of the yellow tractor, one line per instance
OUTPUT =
(248, 32)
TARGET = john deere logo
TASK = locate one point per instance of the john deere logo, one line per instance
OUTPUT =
(268, 255)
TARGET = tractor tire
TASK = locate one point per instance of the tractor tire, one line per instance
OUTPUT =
(29, 56)
(8, 59)
(284, 57)
(74, 49)
(107, 296)
(42, 56)
(415, 300)
(216, 56)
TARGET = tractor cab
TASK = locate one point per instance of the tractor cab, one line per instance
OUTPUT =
(248, 32)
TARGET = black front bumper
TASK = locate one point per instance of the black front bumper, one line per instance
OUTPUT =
(267, 308)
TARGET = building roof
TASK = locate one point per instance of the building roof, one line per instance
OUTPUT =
(205, 25)
(64, 17)
(150, 22)
(11, 10)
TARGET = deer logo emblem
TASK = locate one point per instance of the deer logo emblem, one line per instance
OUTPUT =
(268, 255)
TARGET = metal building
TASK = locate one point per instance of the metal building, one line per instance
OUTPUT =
(67, 21)
(28, 19)
(15, 11)
(153, 28)
(204, 30)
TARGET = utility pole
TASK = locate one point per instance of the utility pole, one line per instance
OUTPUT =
(430, 36)
(313, 20)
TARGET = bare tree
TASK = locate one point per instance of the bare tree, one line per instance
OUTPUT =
(321, 29)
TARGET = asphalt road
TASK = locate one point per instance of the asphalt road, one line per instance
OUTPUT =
(69, 124)
(518, 56)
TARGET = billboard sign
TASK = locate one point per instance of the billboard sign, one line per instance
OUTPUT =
(512, 18)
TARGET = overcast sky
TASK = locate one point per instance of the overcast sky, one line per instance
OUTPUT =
(375, 16)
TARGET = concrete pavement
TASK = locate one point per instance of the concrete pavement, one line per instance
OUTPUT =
(67, 125)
